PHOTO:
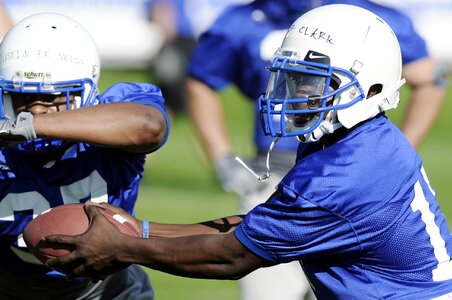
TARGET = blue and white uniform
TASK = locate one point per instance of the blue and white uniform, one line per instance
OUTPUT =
(236, 51)
(360, 216)
(33, 183)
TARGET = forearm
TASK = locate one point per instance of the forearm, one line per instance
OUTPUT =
(206, 112)
(223, 225)
(218, 256)
(130, 126)
(204, 250)
(424, 107)
(428, 92)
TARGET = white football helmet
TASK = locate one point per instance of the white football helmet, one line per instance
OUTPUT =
(338, 65)
(51, 54)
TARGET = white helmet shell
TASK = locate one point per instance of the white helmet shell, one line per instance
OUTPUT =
(49, 47)
(356, 40)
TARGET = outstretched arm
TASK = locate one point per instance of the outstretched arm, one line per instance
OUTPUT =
(204, 250)
(129, 126)
(215, 256)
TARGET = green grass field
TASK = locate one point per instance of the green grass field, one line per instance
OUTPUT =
(179, 185)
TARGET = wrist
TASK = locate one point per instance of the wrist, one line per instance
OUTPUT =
(145, 229)
(224, 161)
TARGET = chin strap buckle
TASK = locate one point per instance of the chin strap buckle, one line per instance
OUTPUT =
(267, 163)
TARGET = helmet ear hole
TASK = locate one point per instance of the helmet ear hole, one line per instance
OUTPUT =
(374, 90)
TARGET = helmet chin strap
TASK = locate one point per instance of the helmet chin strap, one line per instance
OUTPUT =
(315, 135)
(325, 127)
(267, 162)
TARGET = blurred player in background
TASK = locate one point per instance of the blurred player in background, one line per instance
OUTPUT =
(356, 210)
(63, 143)
(181, 22)
(235, 51)
(168, 67)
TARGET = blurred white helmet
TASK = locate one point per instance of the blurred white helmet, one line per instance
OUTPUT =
(338, 65)
(48, 53)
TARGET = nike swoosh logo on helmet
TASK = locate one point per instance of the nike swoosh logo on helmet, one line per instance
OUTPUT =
(315, 56)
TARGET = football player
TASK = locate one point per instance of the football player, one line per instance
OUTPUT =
(181, 22)
(235, 51)
(356, 210)
(63, 142)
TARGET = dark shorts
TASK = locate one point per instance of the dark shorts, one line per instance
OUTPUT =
(132, 283)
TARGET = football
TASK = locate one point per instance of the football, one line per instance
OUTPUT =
(68, 219)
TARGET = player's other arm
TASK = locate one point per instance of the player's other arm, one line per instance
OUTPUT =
(215, 256)
(223, 225)
(126, 125)
(205, 250)
(206, 111)
(428, 90)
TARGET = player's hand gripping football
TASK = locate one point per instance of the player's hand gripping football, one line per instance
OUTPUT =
(96, 251)
(18, 130)
(234, 177)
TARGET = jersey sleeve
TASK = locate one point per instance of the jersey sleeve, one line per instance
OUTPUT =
(214, 60)
(288, 227)
(140, 93)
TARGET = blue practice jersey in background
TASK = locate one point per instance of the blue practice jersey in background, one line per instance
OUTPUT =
(238, 48)
(361, 217)
(32, 183)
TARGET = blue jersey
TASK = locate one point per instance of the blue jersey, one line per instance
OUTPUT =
(361, 217)
(238, 48)
(31, 184)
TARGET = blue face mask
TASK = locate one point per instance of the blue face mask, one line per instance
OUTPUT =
(8, 88)
(300, 94)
